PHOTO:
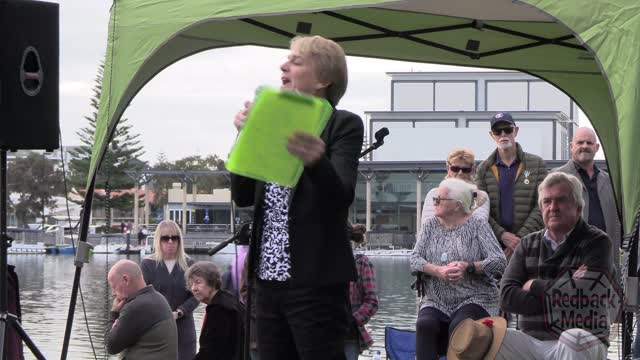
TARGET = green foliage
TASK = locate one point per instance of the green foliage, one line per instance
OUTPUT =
(205, 183)
(122, 155)
(36, 180)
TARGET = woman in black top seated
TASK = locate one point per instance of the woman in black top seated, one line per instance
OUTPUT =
(222, 333)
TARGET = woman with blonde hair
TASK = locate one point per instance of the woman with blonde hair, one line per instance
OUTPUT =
(296, 230)
(164, 269)
(460, 165)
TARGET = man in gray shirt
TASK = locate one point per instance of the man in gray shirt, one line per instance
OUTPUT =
(141, 325)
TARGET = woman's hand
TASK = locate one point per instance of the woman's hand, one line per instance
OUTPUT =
(463, 265)
(455, 273)
(449, 273)
(307, 147)
(241, 116)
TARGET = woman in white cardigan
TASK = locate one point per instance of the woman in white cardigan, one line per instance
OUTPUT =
(460, 165)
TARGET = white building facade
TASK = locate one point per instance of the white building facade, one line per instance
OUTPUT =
(431, 113)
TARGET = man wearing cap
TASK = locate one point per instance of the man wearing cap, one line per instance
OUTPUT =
(489, 339)
(599, 201)
(511, 176)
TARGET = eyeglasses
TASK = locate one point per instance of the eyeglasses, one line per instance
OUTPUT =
(437, 200)
(507, 130)
(457, 169)
(166, 238)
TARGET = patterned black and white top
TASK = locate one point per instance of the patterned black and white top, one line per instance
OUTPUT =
(275, 260)
(472, 241)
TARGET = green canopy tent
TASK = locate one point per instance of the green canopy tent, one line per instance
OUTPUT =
(589, 49)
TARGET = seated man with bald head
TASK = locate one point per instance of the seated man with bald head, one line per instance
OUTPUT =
(141, 325)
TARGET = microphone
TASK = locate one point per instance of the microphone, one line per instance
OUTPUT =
(243, 233)
(380, 135)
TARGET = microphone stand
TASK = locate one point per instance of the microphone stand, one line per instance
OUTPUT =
(373, 146)
(244, 232)
(8, 320)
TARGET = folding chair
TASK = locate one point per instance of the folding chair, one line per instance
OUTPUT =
(399, 344)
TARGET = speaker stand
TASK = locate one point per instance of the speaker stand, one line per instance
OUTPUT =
(6, 319)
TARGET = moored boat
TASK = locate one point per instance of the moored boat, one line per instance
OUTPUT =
(19, 248)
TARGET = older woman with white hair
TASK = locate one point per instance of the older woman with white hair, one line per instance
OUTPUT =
(460, 165)
(164, 269)
(459, 258)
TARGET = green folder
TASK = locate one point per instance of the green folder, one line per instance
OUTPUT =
(260, 152)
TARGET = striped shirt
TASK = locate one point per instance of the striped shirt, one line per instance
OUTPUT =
(472, 241)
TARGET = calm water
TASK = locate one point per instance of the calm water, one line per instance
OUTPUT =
(46, 281)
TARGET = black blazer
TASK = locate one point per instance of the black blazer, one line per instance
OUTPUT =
(223, 330)
(318, 240)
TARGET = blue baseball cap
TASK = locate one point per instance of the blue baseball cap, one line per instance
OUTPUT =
(502, 117)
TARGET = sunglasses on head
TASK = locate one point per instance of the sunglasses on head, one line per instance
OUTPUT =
(506, 129)
(174, 238)
(457, 169)
(437, 200)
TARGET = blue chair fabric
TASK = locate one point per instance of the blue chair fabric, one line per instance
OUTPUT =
(399, 344)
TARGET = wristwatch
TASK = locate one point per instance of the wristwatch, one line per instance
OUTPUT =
(471, 267)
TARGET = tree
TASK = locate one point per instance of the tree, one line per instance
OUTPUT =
(205, 183)
(123, 154)
(36, 181)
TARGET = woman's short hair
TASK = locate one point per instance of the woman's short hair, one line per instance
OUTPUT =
(556, 178)
(169, 227)
(462, 192)
(205, 270)
(329, 61)
(462, 154)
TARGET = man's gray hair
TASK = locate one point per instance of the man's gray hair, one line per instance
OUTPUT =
(462, 192)
(556, 178)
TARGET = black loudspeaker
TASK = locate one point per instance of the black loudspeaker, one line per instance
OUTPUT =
(29, 75)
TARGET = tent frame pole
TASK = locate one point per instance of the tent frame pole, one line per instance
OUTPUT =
(8, 320)
(410, 35)
(632, 275)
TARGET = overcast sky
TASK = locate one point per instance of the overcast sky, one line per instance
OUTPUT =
(188, 108)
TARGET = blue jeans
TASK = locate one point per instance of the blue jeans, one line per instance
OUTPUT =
(351, 350)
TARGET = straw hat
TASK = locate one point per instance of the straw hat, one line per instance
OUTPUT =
(476, 340)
